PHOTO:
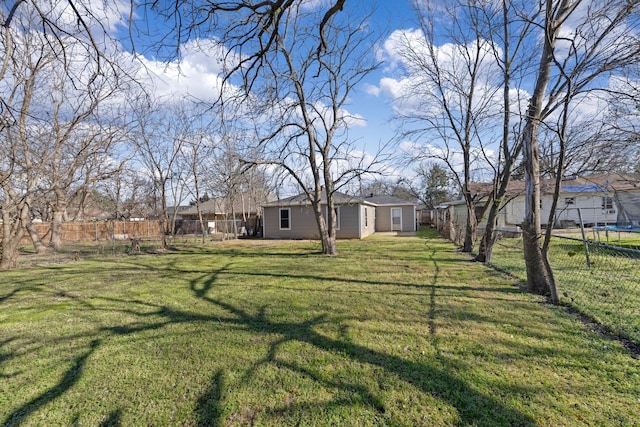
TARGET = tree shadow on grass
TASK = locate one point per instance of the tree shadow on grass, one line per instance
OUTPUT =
(473, 407)
(209, 406)
(113, 420)
(71, 377)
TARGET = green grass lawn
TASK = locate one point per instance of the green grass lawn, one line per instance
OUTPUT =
(400, 331)
(607, 291)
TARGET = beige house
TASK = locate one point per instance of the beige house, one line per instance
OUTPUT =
(356, 217)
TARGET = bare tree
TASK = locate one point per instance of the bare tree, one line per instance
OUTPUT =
(27, 63)
(55, 74)
(593, 143)
(449, 98)
(304, 98)
(583, 43)
(130, 194)
(83, 133)
(66, 23)
(251, 29)
(159, 142)
(196, 153)
(509, 27)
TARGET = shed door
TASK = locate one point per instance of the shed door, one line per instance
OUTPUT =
(396, 219)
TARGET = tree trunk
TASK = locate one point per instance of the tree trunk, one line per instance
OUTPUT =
(38, 245)
(540, 279)
(329, 245)
(489, 237)
(327, 238)
(10, 248)
(56, 225)
(12, 232)
(471, 226)
(164, 217)
(539, 274)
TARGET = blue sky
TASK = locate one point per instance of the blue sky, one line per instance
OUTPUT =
(199, 72)
(196, 73)
(390, 15)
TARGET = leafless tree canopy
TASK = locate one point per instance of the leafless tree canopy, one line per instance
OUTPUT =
(249, 29)
(59, 125)
(586, 45)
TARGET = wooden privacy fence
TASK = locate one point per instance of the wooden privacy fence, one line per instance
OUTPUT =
(98, 230)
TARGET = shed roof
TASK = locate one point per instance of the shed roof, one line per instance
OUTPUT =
(220, 206)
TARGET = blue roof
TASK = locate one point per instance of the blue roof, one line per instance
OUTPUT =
(584, 188)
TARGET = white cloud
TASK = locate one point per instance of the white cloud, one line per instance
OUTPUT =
(371, 89)
(315, 4)
(197, 75)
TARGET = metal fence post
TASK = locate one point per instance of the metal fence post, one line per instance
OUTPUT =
(584, 239)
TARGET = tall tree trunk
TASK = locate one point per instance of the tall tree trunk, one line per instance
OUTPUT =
(329, 245)
(489, 238)
(503, 177)
(325, 228)
(164, 217)
(234, 223)
(540, 279)
(10, 250)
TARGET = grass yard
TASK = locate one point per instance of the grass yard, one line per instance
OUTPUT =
(399, 331)
(608, 291)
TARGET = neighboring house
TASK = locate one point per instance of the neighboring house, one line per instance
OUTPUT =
(356, 217)
(221, 215)
(221, 209)
(603, 199)
(177, 210)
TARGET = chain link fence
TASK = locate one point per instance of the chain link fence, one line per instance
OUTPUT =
(598, 279)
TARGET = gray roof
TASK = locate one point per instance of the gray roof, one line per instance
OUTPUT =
(387, 200)
(341, 199)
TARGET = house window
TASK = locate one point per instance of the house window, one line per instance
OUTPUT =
(285, 219)
(366, 218)
(569, 201)
(607, 204)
